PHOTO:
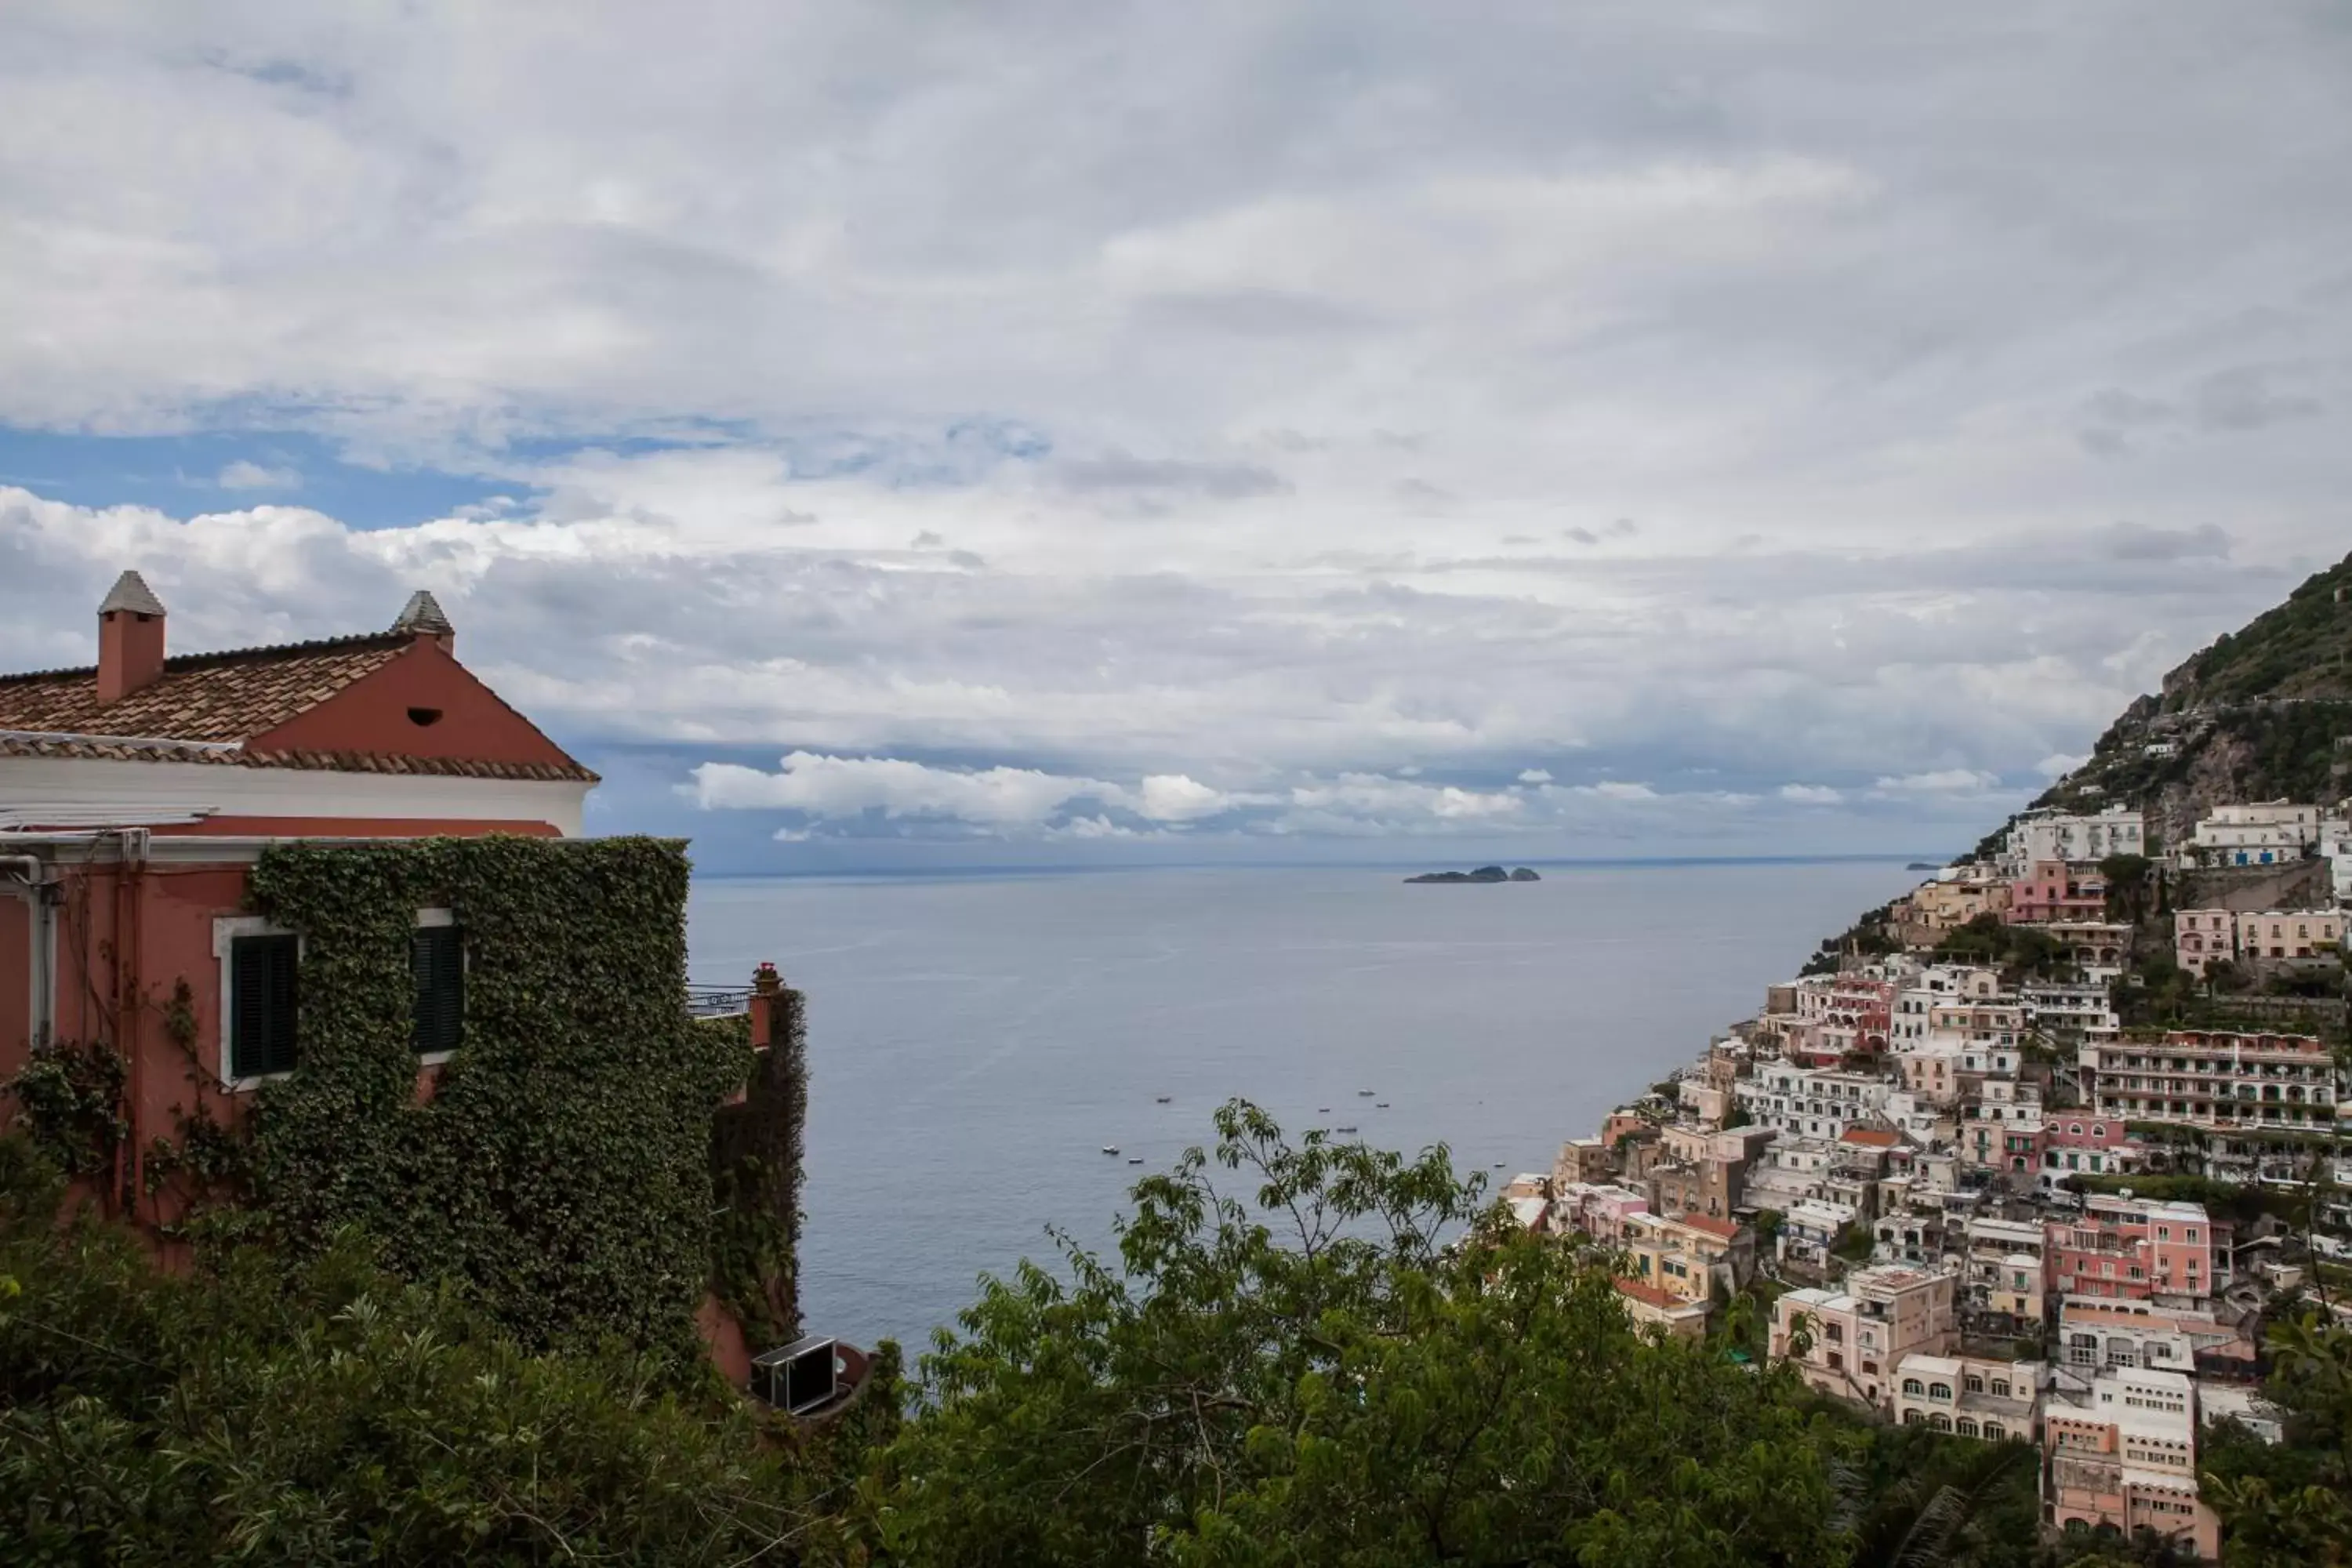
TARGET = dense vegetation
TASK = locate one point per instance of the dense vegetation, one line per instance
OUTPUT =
(322, 1411)
(562, 1170)
(2301, 648)
(1288, 1363)
(1296, 1371)
(2019, 951)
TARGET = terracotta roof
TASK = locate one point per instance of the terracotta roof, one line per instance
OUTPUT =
(1722, 1227)
(1649, 1294)
(1869, 1137)
(203, 706)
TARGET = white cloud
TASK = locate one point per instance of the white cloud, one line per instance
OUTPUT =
(1174, 797)
(243, 475)
(2058, 765)
(825, 786)
(1613, 790)
(920, 504)
(1810, 794)
(1941, 781)
(1373, 798)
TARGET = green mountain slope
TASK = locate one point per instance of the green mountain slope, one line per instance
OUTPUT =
(2264, 713)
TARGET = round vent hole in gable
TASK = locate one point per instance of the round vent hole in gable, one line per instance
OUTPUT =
(422, 717)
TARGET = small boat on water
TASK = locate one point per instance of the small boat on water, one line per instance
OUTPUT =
(1135, 1160)
(1343, 1130)
(1384, 1105)
(1364, 1094)
(1161, 1099)
(1322, 1110)
(1110, 1148)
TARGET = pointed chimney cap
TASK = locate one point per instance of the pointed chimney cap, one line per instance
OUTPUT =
(131, 593)
(423, 617)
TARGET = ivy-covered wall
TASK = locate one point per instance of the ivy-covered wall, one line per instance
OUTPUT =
(562, 1170)
(755, 1171)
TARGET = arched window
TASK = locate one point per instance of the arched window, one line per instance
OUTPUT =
(1914, 1418)
(1912, 1386)
(1968, 1428)
(1940, 1391)
(1994, 1432)
(1940, 1422)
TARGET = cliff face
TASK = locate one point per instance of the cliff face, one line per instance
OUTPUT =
(2264, 713)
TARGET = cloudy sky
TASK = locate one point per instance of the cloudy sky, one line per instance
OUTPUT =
(903, 432)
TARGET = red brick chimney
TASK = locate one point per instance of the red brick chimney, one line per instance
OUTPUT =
(129, 639)
(767, 991)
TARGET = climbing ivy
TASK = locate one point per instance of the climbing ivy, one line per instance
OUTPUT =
(68, 1097)
(561, 1170)
(755, 1169)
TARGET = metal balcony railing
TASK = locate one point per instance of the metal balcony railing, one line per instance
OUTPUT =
(717, 1001)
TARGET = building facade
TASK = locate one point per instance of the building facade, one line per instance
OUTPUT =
(2119, 1454)
(1969, 1396)
(136, 794)
(1847, 1341)
(2135, 1249)
(2213, 1079)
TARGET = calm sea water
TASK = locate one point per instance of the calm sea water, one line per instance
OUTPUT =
(974, 1041)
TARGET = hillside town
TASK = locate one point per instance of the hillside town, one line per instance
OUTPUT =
(2031, 1152)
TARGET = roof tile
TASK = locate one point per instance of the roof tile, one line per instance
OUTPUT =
(202, 704)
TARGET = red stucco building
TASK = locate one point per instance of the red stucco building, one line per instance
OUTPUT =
(135, 794)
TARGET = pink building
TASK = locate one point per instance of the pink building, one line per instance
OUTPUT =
(2074, 1140)
(1848, 1012)
(2120, 1455)
(2050, 891)
(1599, 1210)
(1855, 1336)
(2135, 1249)
(2201, 936)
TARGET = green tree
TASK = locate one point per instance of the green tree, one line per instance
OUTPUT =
(323, 1412)
(2128, 886)
(2290, 1503)
(1315, 1375)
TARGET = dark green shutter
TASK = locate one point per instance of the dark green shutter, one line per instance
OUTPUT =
(436, 958)
(262, 995)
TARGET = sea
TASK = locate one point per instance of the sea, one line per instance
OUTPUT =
(975, 1041)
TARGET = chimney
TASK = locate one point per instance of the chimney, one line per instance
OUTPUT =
(767, 997)
(421, 617)
(129, 639)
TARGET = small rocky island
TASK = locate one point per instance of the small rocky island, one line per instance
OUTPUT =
(1483, 874)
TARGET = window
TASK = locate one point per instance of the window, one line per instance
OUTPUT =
(1940, 1391)
(437, 960)
(261, 1011)
(2000, 1388)
(1973, 1384)
(1968, 1428)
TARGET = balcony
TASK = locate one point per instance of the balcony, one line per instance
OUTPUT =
(717, 1001)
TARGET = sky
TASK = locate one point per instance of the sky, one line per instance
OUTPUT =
(912, 435)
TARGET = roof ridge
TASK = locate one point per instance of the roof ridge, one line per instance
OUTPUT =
(350, 642)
